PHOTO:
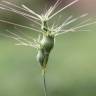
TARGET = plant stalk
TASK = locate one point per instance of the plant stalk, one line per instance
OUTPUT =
(44, 81)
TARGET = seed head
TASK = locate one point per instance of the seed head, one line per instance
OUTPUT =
(45, 41)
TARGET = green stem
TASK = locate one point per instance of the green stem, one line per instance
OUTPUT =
(44, 82)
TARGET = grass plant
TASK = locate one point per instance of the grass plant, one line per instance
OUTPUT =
(44, 43)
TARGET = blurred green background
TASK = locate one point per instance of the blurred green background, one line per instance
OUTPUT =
(71, 67)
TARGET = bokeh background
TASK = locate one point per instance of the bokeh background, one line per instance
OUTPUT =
(72, 64)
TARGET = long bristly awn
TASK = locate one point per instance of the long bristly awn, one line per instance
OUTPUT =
(46, 38)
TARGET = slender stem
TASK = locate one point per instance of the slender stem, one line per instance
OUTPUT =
(44, 82)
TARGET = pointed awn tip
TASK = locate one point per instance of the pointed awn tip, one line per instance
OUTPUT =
(70, 4)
